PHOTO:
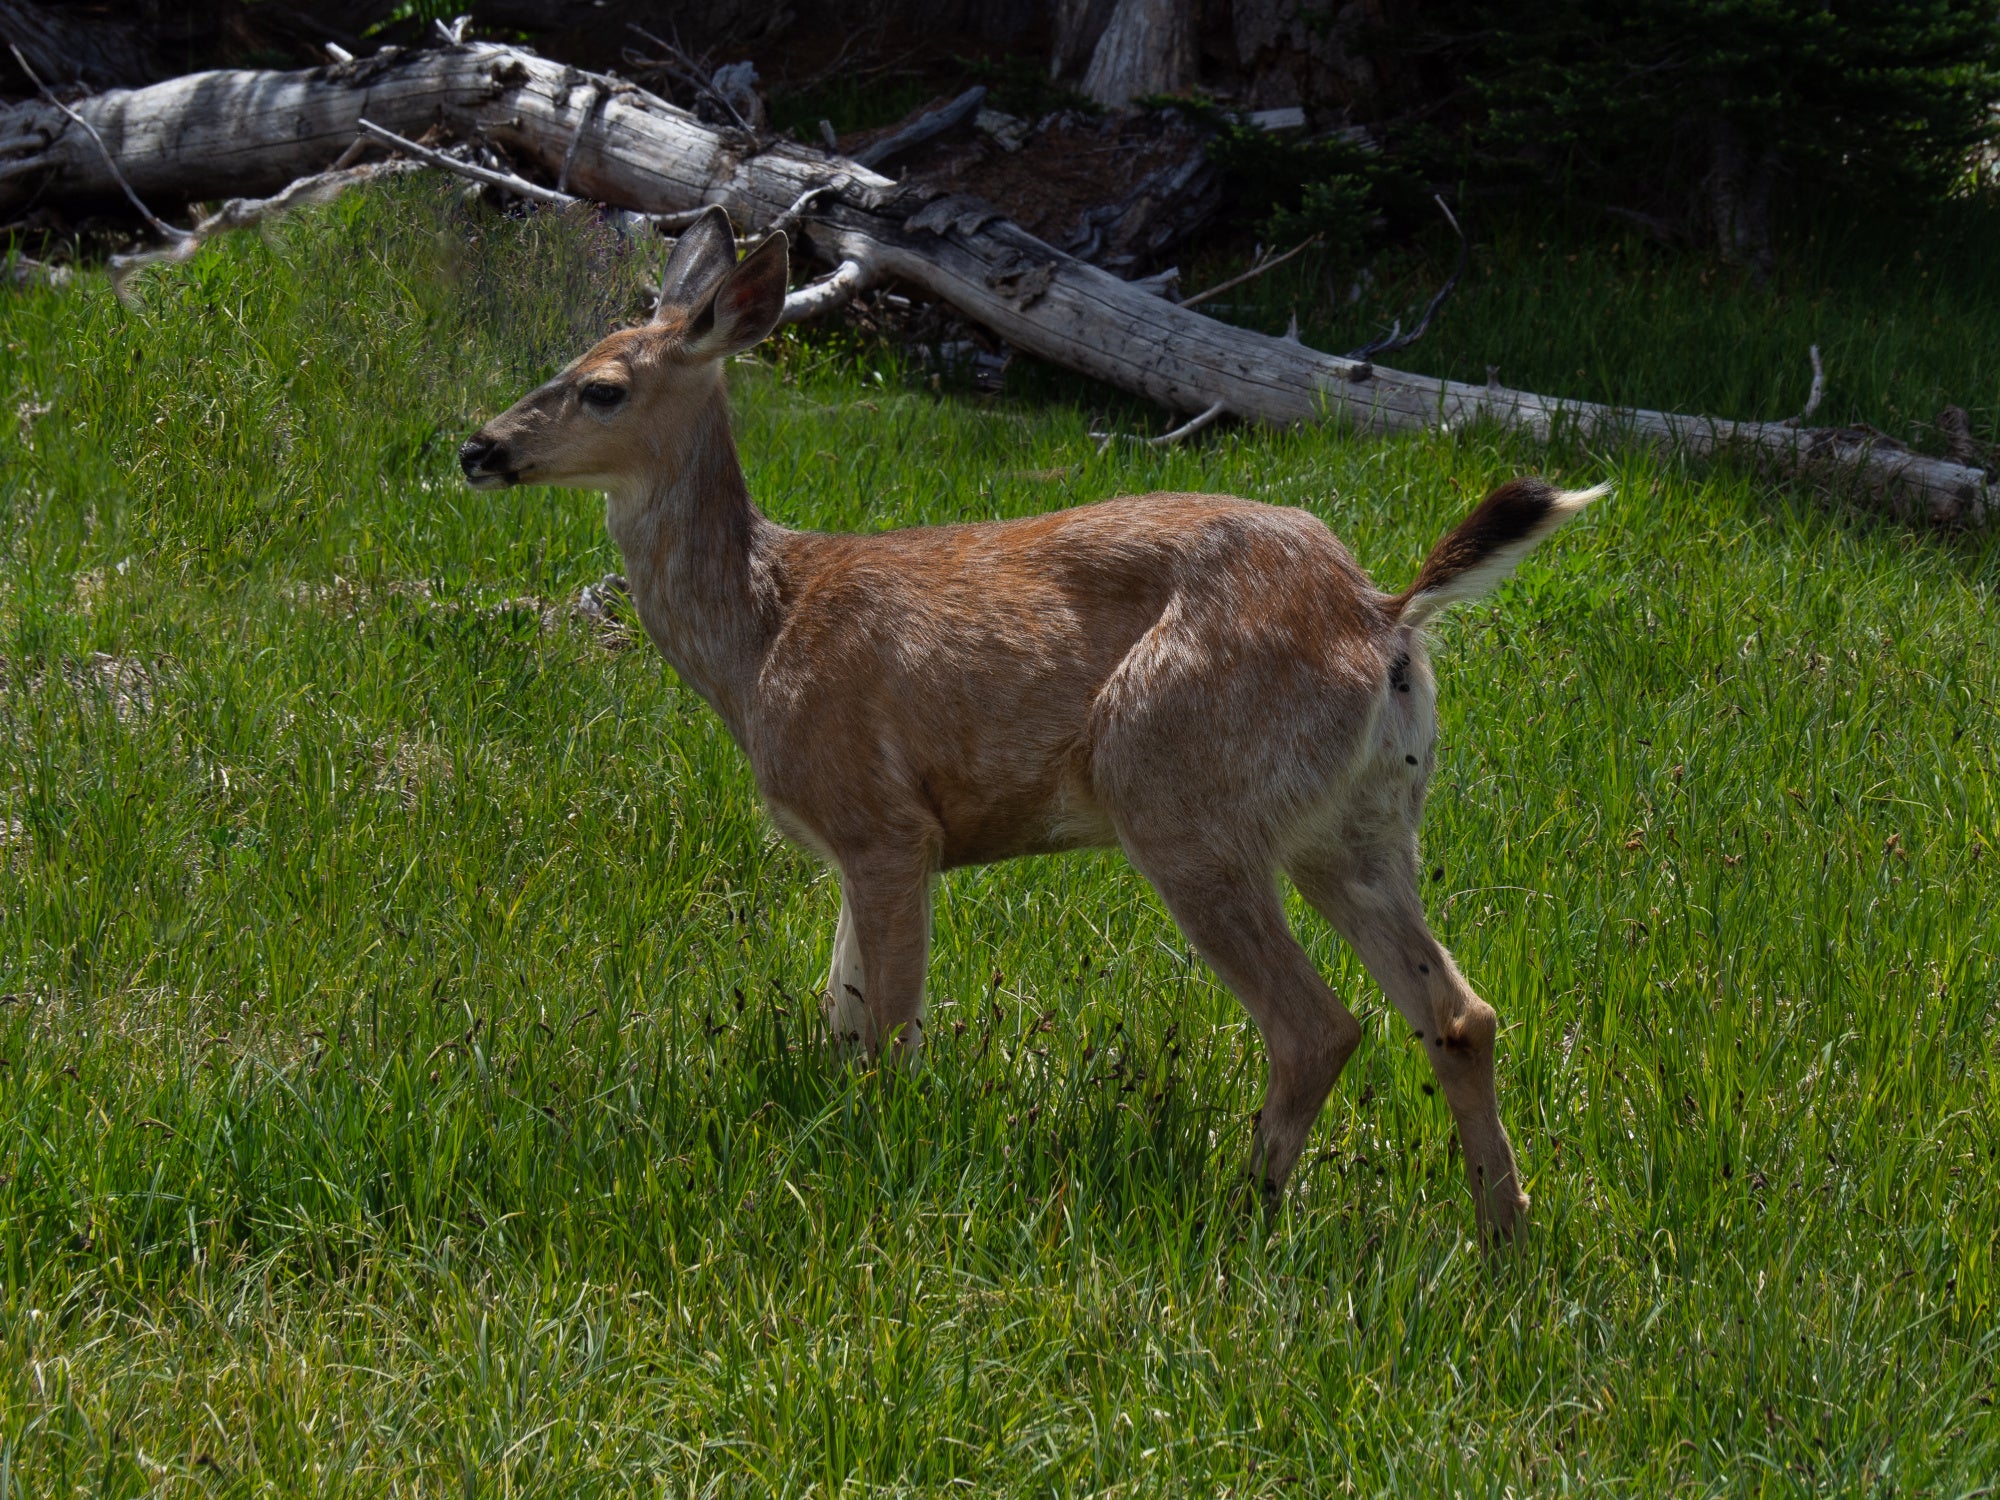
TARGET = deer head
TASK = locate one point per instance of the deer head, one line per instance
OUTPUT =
(625, 414)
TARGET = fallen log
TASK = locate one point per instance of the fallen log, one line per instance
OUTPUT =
(925, 128)
(243, 133)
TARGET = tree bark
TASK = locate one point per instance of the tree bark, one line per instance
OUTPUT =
(245, 133)
(1079, 25)
(1147, 48)
(1740, 189)
(65, 49)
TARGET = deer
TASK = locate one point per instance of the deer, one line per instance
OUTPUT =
(1211, 684)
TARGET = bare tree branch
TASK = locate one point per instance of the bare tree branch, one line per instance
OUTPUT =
(244, 213)
(689, 72)
(1396, 339)
(166, 230)
(829, 292)
(519, 186)
(1188, 428)
(1264, 263)
(924, 128)
(1812, 396)
(1173, 437)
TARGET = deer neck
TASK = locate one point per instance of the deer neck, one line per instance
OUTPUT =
(702, 564)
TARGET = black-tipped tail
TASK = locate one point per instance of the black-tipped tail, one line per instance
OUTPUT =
(1487, 545)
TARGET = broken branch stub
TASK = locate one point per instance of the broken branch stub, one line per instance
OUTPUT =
(924, 128)
(251, 132)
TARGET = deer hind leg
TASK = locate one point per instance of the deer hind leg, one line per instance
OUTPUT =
(845, 1002)
(1235, 918)
(880, 950)
(1373, 903)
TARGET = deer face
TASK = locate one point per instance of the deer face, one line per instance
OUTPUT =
(627, 408)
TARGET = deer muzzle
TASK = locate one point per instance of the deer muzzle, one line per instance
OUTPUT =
(486, 465)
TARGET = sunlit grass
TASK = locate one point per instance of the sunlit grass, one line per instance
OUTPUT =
(407, 1078)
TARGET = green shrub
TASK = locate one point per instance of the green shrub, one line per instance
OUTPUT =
(1291, 188)
(1722, 118)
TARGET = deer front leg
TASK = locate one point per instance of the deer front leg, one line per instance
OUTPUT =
(884, 935)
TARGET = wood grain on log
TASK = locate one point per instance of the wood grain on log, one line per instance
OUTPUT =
(245, 133)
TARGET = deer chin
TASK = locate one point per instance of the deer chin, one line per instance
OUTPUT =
(530, 474)
(507, 479)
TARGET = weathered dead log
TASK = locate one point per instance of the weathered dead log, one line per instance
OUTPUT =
(243, 133)
(926, 127)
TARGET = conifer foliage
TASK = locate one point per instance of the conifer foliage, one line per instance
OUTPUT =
(1720, 118)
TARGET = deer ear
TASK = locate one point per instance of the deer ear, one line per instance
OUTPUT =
(747, 305)
(701, 257)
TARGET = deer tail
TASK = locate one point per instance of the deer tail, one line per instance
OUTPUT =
(1487, 545)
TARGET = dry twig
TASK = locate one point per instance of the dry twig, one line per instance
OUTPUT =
(1188, 428)
(1395, 338)
(519, 186)
(848, 280)
(1263, 264)
(689, 72)
(1172, 438)
(166, 230)
(1812, 396)
(508, 182)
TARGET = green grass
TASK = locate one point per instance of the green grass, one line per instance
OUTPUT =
(406, 1071)
(1906, 316)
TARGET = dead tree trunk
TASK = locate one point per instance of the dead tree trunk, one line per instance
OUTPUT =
(1078, 25)
(1147, 48)
(64, 49)
(243, 133)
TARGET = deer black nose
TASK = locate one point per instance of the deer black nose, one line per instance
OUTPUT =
(481, 456)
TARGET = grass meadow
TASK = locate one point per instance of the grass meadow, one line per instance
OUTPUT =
(408, 1079)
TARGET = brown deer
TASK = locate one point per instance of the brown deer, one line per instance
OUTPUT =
(1211, 684)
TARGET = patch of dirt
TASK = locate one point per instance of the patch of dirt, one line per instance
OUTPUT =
(345, 596)
(126, 682)
(91, 585)
(404, 768)
(606, 607)
(602, 606)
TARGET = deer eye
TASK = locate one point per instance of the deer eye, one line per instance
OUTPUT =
(602, 394)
